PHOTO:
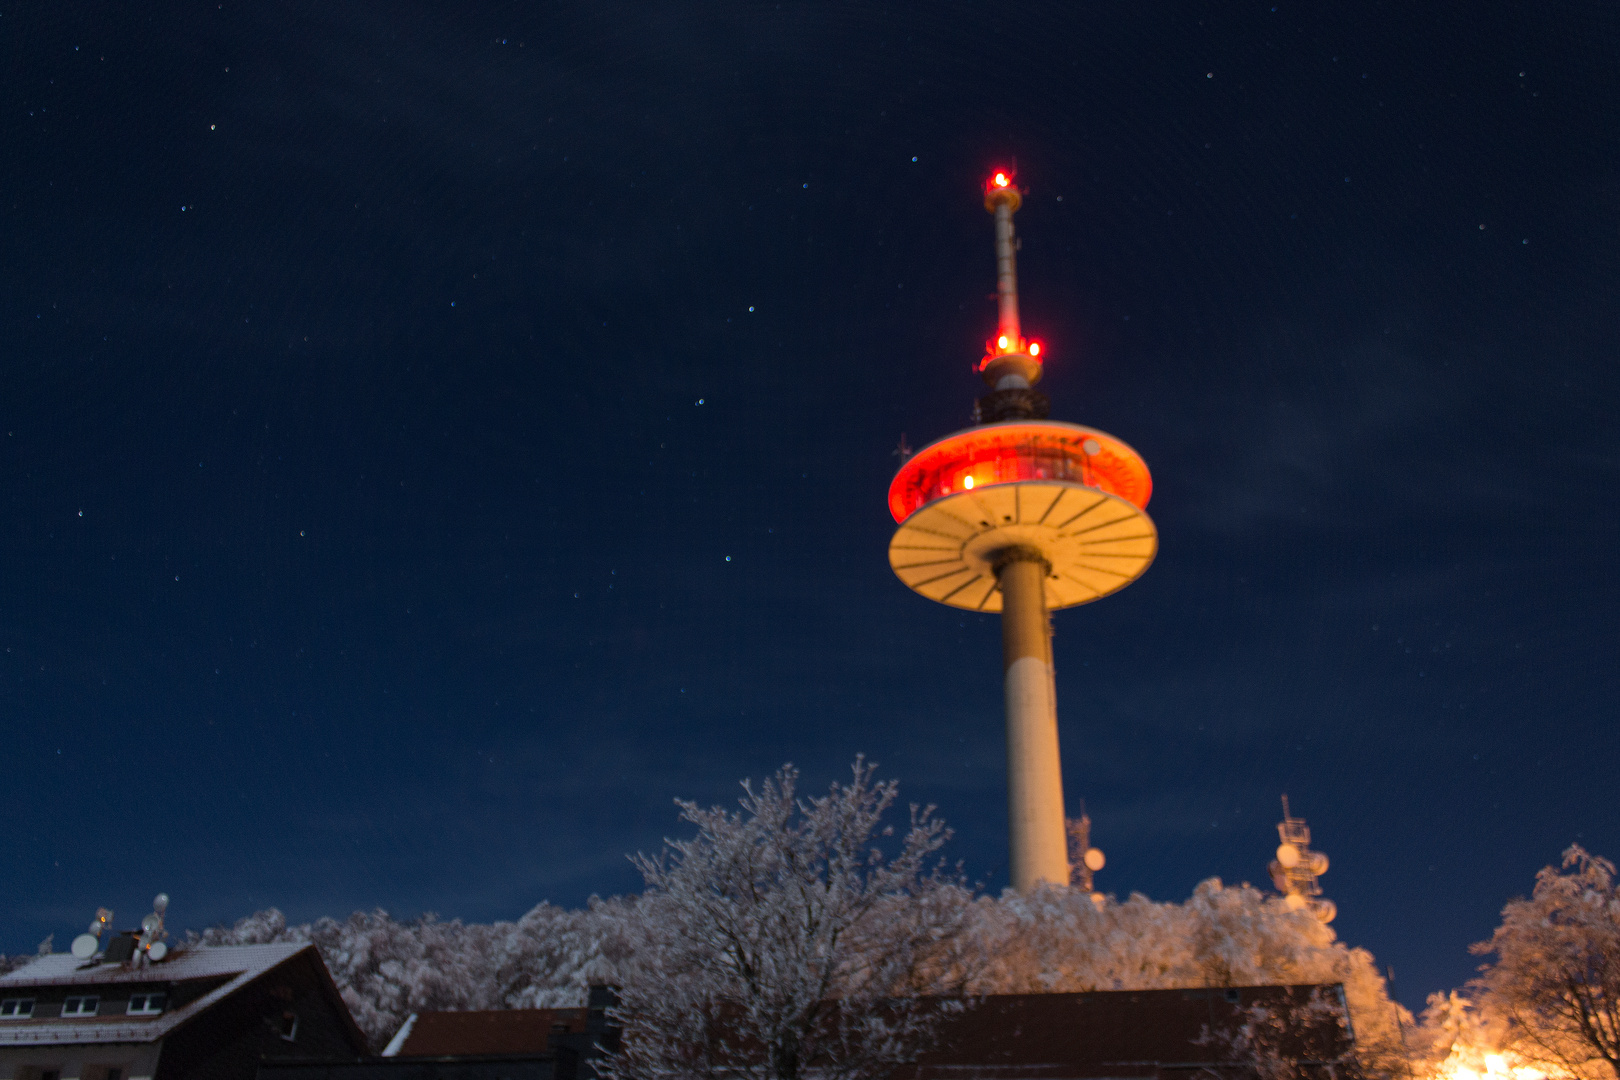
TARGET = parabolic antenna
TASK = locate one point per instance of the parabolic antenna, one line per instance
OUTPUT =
(151, 924)
(1095, 860)
(1288, 855)
(84, 946)
(157, 951)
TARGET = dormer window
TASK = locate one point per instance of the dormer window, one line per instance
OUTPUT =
(146, 1004)
(81, 1006)
(16, 1008)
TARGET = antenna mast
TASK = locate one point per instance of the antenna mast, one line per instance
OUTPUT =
(1295, 869)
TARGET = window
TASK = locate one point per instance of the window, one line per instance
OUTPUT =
(289, 1026)
(145, 1004)
(81, 1006)
(16, 1008)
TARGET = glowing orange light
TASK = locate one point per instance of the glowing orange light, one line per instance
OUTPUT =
(1034, 348)
(1009, 453)
(1001, 179)
(1001, 342)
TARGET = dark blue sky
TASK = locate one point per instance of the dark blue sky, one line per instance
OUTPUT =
(364, 541)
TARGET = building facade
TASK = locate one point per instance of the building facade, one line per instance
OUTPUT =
(214, 1013)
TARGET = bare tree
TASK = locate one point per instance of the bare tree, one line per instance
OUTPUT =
(780, 942)
(1556, 977)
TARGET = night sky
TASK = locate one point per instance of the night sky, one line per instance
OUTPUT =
(432, 440)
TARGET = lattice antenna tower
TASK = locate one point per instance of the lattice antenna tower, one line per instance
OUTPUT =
(1084, 859)
(1296, 868)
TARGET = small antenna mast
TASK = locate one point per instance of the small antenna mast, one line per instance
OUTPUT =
(1084, 860)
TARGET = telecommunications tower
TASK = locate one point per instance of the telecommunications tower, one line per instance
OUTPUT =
(1295, 869)
(1022, 515)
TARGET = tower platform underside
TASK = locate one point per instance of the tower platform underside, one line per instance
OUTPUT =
(1094, 542)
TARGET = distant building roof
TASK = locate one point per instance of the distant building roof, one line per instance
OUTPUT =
(503, 1031)
(234, 966)
(1103, 1034)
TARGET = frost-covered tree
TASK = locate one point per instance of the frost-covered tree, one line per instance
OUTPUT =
(1286, 1038)
(551, 956)
(781, 906)
(1457, 1038)
(1556, 976)
(780, 940)
(1056, 940)
(386, 969)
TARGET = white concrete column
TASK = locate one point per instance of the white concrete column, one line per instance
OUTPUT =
(1039, 847)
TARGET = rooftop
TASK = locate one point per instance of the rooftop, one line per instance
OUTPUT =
(505, 1031)
(236, 964)
(1110, 1033)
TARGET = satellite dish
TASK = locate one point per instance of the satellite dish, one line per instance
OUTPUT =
(1325, 910)
(1099, 899)
(151, 924)
(84, 946)
(1319, 863)
(160, 903)
(157, 951)
(1294, 901)
(1288, 855)
(1095, 860)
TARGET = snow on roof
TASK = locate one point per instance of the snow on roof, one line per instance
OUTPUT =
(238, 964)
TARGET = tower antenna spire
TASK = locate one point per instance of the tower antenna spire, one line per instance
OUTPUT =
(1011, 364)
(1002, 199)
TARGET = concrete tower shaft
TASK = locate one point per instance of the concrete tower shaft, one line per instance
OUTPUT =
(1035, 816)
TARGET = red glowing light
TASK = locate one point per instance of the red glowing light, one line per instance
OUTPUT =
(1001, 342)
(1034, 348)
(1001, 179)
(1009, 453)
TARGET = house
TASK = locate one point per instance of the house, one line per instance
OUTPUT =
(503, 1044)
(200, 1012)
